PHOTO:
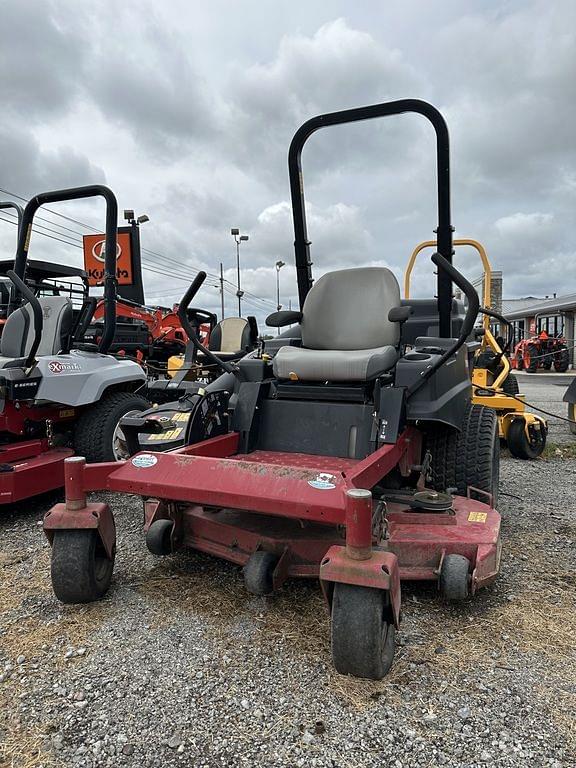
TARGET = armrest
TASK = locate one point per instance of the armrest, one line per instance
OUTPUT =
(400, 314)
(285, 317)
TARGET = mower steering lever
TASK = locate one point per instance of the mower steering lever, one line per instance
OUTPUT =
(191, 330)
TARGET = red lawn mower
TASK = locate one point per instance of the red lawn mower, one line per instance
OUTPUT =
(541, 351)
(347, 450)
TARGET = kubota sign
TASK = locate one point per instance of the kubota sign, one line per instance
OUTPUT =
(94, 254)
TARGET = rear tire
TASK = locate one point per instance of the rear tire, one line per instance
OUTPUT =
(572, 416)
(561, 359)
(96, 428)
(510, 385)
(531, 359)
(518, 443)
(519, 362)
(470, 457)
(80, 569)
(363, 639)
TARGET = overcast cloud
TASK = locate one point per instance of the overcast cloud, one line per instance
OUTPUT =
(186, 109)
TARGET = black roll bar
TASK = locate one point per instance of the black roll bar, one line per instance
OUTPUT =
(444, 230)
(36, 307)
(110, 279)
(5, 204)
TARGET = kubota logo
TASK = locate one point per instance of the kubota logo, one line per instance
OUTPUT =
(99, 250)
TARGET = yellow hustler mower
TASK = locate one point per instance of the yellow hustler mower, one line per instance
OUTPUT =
(493, 383)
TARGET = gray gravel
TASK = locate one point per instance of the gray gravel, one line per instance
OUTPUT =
(178, 666)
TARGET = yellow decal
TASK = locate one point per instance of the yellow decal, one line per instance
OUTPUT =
(180, 417)
(66, 414)
(477, 517)
(171, 434)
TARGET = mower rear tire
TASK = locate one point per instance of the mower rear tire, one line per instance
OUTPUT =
(572, 417)
(561, 359)
(531, 360)
(454, 580)
(159, 537)
(95, 430)
(510, 385)
(363, 637)
(469, 458)
(520, 446)
(259, 572)
(80, 569)
(519, 362)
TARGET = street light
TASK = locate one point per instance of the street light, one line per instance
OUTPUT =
(279, 265)
(238, 238)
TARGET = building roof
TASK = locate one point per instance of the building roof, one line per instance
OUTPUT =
(515, 309)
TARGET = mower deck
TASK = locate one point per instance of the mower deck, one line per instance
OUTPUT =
(29, 468)
(295, 505)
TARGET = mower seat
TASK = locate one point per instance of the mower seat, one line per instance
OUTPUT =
(346, 333)
(233, 337)
(18, 333)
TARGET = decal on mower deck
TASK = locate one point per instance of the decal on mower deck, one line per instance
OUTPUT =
(323, 482)
(145, 460)
(477, 517)
(58, 366)
(170, 434)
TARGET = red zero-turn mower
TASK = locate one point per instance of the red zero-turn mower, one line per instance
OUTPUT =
(348, 450)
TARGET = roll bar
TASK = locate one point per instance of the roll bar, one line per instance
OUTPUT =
(479, 248)
(444, 230)
(467, 326)
(110, 279)
(5, 204)
(195, 286)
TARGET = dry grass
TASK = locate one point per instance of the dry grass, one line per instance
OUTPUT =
(24, 584)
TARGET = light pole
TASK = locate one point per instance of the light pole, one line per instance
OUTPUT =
(279, 265)
(238, 238)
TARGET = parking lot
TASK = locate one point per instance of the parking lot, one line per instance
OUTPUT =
(179, 666)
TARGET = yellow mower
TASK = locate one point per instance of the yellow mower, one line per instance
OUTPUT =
(493, 383)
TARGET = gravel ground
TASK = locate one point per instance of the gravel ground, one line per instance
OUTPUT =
(178, 666)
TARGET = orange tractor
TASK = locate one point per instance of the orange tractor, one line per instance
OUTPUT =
(541, 351)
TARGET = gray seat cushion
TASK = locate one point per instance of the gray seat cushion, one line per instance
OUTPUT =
(18, 333)
(334, 365)
(346, 334)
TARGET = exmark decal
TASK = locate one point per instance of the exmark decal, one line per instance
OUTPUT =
(60, 366)
(323, 482)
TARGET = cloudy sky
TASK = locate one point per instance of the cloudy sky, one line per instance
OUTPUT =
(186, 110)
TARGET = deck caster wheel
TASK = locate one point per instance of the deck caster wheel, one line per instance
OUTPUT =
(454, 578)
(80, 569)
(363, 639)
(520, 445)
(258, 573)
(158, 537)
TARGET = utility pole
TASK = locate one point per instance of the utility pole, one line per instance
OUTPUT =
(222, 290)
(279, 265)
(238, 238)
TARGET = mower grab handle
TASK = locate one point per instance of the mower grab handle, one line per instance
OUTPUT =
(195, 286)
(21, 286)
(504, 321)
(110, 279)
(467, 326)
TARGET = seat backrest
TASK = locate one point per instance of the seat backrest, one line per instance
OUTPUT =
(18, 334)
(230, 335)
(348, 309)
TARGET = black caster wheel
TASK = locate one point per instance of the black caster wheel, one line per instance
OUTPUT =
(454, 578)
(258, 573)
(158, 537)
(520, 445)
(363, 638)
(80, 569)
